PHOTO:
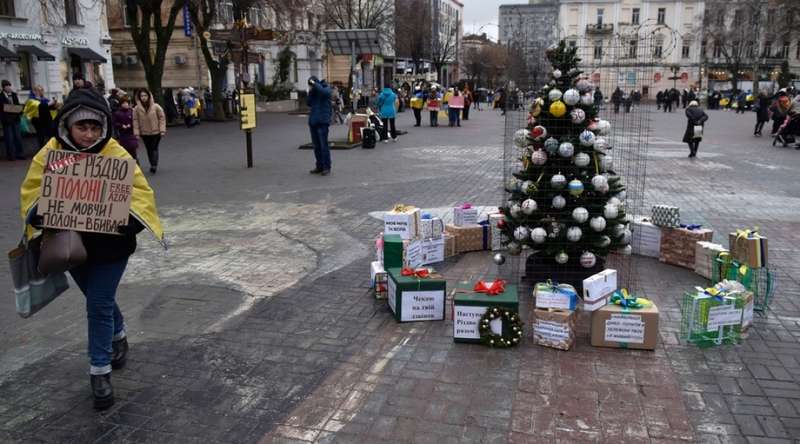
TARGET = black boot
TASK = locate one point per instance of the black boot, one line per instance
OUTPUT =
(102, 391)
(119, 354)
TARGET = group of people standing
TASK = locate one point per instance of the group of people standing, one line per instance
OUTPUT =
(670, 98)
(619, 97)
(455, 101)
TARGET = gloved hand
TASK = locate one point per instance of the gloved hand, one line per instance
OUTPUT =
(131, 229)
(36, 221)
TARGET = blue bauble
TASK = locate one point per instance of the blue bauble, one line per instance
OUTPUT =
(551, 145)
(575, 187)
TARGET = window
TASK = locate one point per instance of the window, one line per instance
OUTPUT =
(797, 53)
(632, 48)
(685, 51)
(735, 48)
(721, 17)
(737, 16)
(635, 16)
(573, 43)
(662, 15)
(600, 17)
(598, 49)
(225, 12)
(658, 50)
(717, 50)
(771, 17)
(125, 20)
(755, 17)
(767, 49)
(7, 8)
(24, 64)
(784, 51)
(702, 48)
(751, 50)
(71, 12)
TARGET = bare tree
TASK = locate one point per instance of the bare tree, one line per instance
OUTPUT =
(444, 44)
(474, 65)
(413, 31)
(204, 15)
(496, 59)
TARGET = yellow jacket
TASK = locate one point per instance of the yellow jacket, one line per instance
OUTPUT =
(143, 202)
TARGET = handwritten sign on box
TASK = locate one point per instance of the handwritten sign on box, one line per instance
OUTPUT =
(86, 192)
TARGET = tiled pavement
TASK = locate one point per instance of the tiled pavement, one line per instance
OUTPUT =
(221, 352)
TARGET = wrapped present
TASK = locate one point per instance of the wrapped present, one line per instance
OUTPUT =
(552, 295)
(465, 215)
(665, 216)
(399, 252)
(554, 328)
(378, 279)
(625, 322)
(379, 248)
(470, 302)
(598, 287)
(449, 245)
(497, 239)
(749, 247)
(646, 237)
(760, 281)
(432, 251)
(678, 244)
(749, 300)
(431, 227)
(712, 316)
(470, 237)
(416, 294)
(402, 220)
(704, 255)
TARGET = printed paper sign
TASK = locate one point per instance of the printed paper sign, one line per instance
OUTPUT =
(422, 305)
(627, 328)
(401, 223)
(548, 299)
(432, 251)
(747, 316)
(392, 295)
(413, 253)
(551, 330)
(466, 319)
(723, 315)
(86, 192)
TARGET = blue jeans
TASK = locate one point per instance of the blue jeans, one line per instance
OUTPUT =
(13, 140)
(322, 152)
(99, 282)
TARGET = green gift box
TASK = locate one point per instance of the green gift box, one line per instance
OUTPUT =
(392, 251)
(708, 320)
(469, 306)
(413, 298)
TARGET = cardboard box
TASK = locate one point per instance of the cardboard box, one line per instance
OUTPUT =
(497, 238)
(613, 326)
(399, 252)
(465, 215)
(705, 253)
(595, 305)
(432, 251)
(378, 280)
(469, 306)
(431, 228)
(449, 245)
(646, 237)
(469, 238)
(599, 286)
(554, 328)
(403, 221)
(678, 245)
(751, 251)
(561, 297)
(414, 299)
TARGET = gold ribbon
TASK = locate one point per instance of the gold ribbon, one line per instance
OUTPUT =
(402, 208)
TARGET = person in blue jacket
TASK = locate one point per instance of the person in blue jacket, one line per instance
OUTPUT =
(319, 119)
(386, 107)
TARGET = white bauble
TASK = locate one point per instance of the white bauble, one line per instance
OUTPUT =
(558, 181)
(562, 258)
(577, 115)
(515, 210)
(610, 211)
(521, 138)
(584, 86)
(538, 235)
(598, 223)
(587, 100)
(603, 127)
(551, 145)
(566, 149)
(621, 195)
(625, 239)
(528, 206)
(606, 163)
(627, 250)
(513, 248)
(600, 145)
(586, 138)
(572, 97)
(556, 74)
(599, 182)
(559, 202)
(582, 160)
(554, 94)
(539, 157)
(580, 215)
(521, 233)
(588, 259)
(614, 201)
(574, 234)
(604, 241)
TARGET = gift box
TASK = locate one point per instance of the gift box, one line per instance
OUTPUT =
(465, 215)
(599, 286)
(379, 248)
(712, 316)
(398, 252)
(497, 239)
(416, 294)
(704, 255)
(550, 295)
(594, 305)
(678, 245)
(469, 304)
(554, 328)
(470, 237)
(402, 220)
(378, 279)
(432, 251)
(622, 324)
(449, 245)
(748, 247)
(431, 227)
(665, 216)
(748, 296)
(646, 237)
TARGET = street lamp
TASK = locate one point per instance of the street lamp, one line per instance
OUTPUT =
(675, 77)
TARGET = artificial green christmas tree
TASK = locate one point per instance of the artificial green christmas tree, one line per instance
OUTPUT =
(565, 202)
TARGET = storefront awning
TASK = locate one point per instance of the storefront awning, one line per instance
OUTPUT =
(7, 54)
(87, 55)
(36, 51)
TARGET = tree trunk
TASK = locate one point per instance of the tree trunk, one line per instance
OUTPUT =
(756, 78)
(217, 94)
(153, 77)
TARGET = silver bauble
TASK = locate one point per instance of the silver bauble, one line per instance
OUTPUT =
(614, 201)
(572, 97)
(499, 259)
(521, 233)
(599, 182)
(600, 145)
(521, 138)
(513, 184)
(551, 145)
(621, 195)
(587, 100)
(586, 138)
(554, 94)
(610, 211)
(603, 127)
(617, 230)
(514, 248)
(559, 202)
(627, 250)
(574, 234)
(588, 259)
(515, 210)
(582, 160)
(556, 74)
(558, 181)
(580, 215)
(538, 235)
(562, 258)
(528, 206)
(625, 239)
(584, 86)
(598, 224)
(577, 115)
(524, 186)
(539, 157)
(606, 163)
(566, 149)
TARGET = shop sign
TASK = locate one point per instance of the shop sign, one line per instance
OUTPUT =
(75, 41)
(19, 36)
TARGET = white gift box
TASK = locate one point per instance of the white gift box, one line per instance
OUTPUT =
(465, 216)
(646, 237)
(666, 216)
(596, 305)
(431, 228)
(377, 273)
(413, 253)
(598, 286)
(432, 251)
(562, 296)
(705, 254)
(405, 223)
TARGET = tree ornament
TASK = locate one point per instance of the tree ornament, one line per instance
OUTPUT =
(592, 126)
(606, 163)
(521, 138)
(597, 223)
(562, 258)
(587, 100)
(566, 149)
(582, 160)
(515, 211)
(603, 127)
(514, 248)
(554, 94)
(551, 145)
(528, 206)
(558, 109)
(556, 74)
(558, 181)
(584, 86)
(539, 132)
(621, 195)
(627, 250)
(625, 239)
(559, 202)
(587, 138)
(588, 259)
(577, 115)
(499, 259)
(610, 211)
(600, 145)
(539, 157)
(572, 97)
(617, 230)
(529, 187)
(538, 235)
(604, 241)
(536, 109)
(580, 215)
(575, 187)
(512, 324)
(521, 233)
(574, 234)
(525, 185)
(513, 184)
(599, 182)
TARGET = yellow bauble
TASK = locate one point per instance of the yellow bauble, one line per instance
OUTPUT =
(558, 109)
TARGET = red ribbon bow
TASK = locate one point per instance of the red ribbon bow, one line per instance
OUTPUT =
(419, 273)
(492, 289)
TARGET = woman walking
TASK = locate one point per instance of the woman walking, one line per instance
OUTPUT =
(37, 109)
(150, 124)
(762, 113)
(695, 121)
(83, 126)
(123, 126)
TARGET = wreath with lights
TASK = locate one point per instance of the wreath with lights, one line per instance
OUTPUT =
(509, 319)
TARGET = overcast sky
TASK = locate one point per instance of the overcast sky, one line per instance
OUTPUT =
(479, 13)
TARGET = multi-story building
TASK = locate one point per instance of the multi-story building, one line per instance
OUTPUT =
(527, 30)
(45, 43)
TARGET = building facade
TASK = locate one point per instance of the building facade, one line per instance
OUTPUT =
(527, 30)
(45, 43)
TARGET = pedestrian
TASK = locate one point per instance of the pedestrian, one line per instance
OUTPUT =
(191, 107)
(319, 100)
(762, 112)
(501, 98)
(387, 107)
(417, 103)
(659, 99)
(667, 101)
(337, 106)
(79, 82)
(455, 107)
(476, 99)
(779, 109)
(627, 101)
(113, 100)
(684, 98)
(616, 99)
(598, 98)
(10, 118)
(122, 120)
(83, 126)
(467, 103)
(676, 97)
(150, 124)
(695, 123)
(37, 110)
(434, 99)
(741, 102)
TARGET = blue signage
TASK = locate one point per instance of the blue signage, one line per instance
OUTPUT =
(187, 22)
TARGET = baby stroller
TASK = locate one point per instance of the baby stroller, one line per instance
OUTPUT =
(788, 130)
(375, 122)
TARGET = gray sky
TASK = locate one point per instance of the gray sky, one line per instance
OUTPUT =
(478, 13)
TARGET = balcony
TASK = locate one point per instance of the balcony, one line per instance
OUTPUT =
(605, 28)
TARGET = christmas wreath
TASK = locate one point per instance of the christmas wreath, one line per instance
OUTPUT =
(510, 320)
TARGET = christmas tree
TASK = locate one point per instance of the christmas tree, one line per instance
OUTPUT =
(566, 202)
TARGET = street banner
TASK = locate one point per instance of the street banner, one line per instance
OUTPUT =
(86, 192)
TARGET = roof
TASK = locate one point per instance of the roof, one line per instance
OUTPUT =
(87, 54)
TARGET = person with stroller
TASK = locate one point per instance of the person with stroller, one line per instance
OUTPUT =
(386, 104)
